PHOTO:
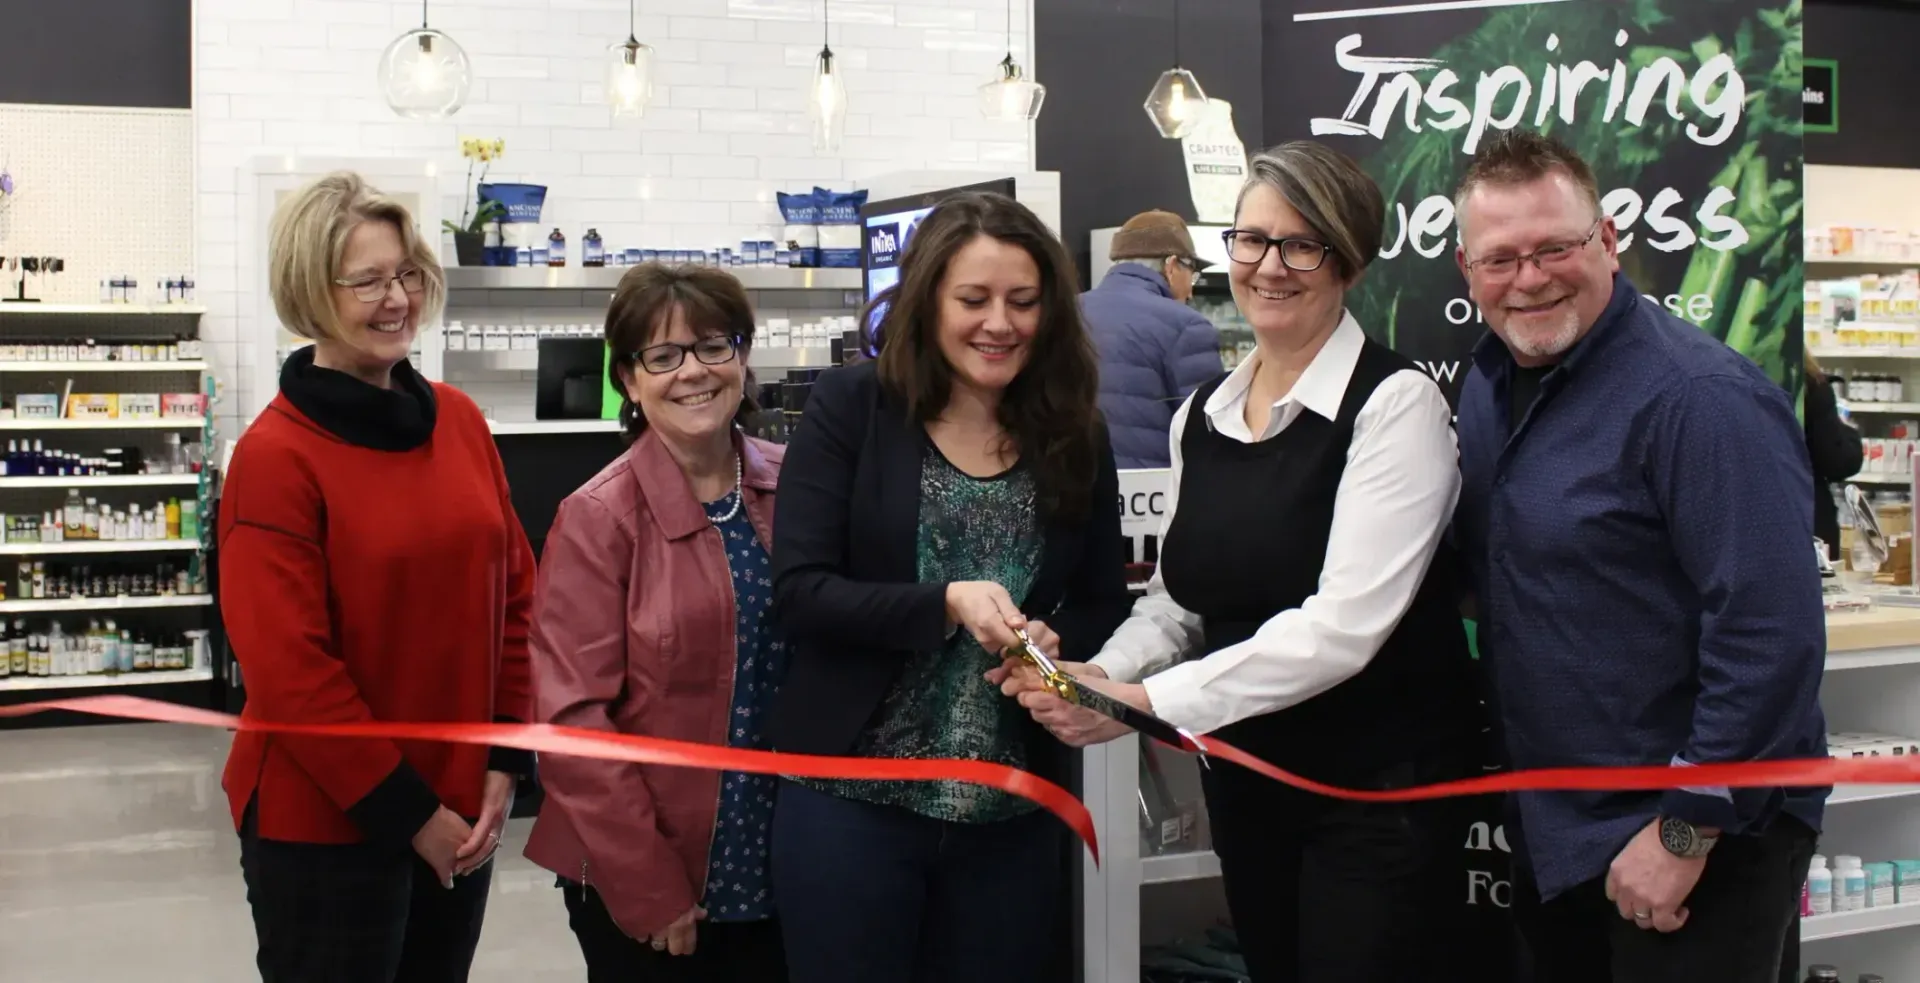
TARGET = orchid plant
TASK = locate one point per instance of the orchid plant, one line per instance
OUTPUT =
(6, 187)
(474, 216)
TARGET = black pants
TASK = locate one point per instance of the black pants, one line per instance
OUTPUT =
(1323, 891)
(724, 952)
(876, 894)
(358, 914)
(1738, 917)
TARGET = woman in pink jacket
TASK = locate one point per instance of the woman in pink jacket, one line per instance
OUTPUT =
(651, 618)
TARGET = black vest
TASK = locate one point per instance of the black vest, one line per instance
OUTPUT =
(1248, 540)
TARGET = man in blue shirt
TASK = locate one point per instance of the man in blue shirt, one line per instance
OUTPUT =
(1637, 521)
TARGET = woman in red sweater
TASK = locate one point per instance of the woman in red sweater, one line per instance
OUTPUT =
(372, 568)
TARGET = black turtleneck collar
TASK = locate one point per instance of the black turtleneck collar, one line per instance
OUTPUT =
(397, 419)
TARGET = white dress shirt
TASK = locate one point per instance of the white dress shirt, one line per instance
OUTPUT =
(1395, 499)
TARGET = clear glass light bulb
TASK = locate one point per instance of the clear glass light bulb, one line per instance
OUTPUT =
(425, 75)
(827, 104)
(629, 78)
(1177, 104)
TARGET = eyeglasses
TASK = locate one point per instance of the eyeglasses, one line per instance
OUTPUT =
(1500, 269)
(1190, 265)
(372, 288)
(663, 358)
(1250, 248)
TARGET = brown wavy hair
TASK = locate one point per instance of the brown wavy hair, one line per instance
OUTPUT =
(712, 301)
(1050, 409)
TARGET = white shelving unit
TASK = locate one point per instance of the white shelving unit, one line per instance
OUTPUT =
(525, 427)
(102, 310)
(62, 368)
(1860, 408)
(1843, 924)
(150, 678)
(16, 423)
(98, 546)
(105, 604)
(102, 481)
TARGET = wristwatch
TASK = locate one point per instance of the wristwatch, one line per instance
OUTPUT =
(1683, 839)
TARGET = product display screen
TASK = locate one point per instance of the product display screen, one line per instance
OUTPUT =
(887, 227)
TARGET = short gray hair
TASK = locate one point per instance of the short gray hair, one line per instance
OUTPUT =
(1156, 265)
(1336, 197)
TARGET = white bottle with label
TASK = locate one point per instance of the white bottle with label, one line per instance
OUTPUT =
(1819, 887)
(1850, 885)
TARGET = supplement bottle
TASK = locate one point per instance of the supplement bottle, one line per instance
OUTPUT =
(1819, 887)
(556, 249)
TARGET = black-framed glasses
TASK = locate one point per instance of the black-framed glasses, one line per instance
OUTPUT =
(1500, 269)
(372, 288)
(667, 356)
(1298, 254)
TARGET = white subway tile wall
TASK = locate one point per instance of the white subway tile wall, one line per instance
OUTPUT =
(727, 128)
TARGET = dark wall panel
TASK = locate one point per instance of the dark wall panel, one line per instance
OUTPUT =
(1878, 124)
(97, 52)
(1099, 59)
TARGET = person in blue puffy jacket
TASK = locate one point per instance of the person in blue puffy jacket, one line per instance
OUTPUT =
(1154, 349)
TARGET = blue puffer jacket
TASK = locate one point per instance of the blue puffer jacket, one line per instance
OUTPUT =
(1154, 351)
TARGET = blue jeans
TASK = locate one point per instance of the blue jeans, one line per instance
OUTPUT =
(878, 894)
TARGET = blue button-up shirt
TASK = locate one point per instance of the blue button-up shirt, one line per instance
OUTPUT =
(1641, 547)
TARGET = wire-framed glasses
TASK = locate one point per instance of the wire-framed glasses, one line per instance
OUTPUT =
(1504, 267)
(372, 288)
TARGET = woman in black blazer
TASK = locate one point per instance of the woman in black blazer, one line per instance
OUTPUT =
(934, 501)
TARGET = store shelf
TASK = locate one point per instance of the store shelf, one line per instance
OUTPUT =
(1194, 866)
(102, 481)
(98, 546)
(1843, 794)
(1877, 479)
(1883, 407)
(1858, 352)
(65, 367)
(95, 682)
(608, 277)
(521, 427)
(16, 423)
(56, 604)
(116, 310)
(766, 358)
(1816, 927)
(1886, 261)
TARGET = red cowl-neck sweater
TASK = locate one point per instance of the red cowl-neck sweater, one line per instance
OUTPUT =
(388, 582)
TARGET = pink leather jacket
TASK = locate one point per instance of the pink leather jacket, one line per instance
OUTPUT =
(633, 632)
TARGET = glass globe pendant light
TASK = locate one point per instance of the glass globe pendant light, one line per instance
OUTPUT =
(629, 74)
(827, 98)
(1012, 96)
(424, 74)
(1177, 103)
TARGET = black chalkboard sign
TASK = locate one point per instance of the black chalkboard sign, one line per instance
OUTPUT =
(133, 53)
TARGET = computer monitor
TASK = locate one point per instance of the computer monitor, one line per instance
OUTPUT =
(887, 228)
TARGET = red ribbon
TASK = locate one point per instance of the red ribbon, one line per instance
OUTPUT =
(548, 739)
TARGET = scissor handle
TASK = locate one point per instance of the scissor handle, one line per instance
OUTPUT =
(1051, 675)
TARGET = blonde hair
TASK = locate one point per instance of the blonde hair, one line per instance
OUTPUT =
(308, 236)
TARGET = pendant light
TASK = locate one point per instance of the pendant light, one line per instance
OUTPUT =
(827, 99)
(424, 74)
(1012, 96)
(1177, 102)
(629, 74)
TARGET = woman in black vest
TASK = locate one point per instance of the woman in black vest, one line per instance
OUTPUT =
(959, 487)
(1298, 610)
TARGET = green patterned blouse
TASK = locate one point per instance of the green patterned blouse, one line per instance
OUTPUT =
(940, 707)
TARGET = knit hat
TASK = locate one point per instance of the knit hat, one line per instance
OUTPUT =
(1155, 235)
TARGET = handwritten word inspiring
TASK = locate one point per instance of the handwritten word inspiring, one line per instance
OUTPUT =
(1715, 92)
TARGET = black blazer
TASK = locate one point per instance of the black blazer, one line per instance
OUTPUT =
(846, 582)
(1835, 450)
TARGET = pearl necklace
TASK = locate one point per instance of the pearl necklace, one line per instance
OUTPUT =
(739, 496)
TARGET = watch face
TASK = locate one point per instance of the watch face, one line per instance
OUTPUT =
(1678, 836)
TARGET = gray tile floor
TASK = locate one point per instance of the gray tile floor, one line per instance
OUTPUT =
(118, 862)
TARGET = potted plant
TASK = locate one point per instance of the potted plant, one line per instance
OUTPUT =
(469, 234)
